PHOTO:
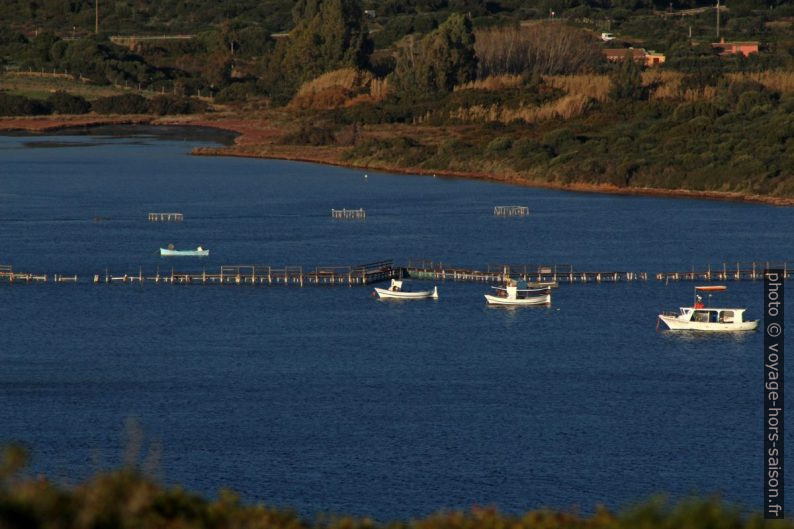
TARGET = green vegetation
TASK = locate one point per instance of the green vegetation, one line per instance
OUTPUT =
(443, 59)
(63, 103)
(127, 498)
(520, 88)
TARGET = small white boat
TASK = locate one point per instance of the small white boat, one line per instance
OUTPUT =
(516, 293)
(699, 317)
(171, 252)
(395, 291)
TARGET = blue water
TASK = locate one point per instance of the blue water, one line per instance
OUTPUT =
(326, 400)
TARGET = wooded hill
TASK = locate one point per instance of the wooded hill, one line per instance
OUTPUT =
(521, 89)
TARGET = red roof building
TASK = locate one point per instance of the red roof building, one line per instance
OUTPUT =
(734, 48)
(640, 55)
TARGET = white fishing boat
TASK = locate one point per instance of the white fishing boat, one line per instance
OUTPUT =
(395, 291)
(517, 293)
(701, 317)
(171, 252)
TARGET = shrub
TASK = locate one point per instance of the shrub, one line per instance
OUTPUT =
(499, 145)
(162, 105)
(64, 103)
(237, 92)
(123, 104)
(559, 139)
(12, 105)
(310, 135)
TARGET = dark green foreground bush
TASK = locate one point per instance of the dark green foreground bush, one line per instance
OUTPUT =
(127, 499)
(64, 103)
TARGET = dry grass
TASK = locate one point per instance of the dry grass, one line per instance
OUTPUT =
(590, 86)
(379, 89)
(666, 85)
(347, 78)
(40, 86)
(775, 80)
(338, 88)
(492, 83)
(780, 25)
(566, 107)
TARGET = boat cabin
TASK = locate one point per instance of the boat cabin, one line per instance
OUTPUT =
(704, 315)
(396, 286)
(519, 290)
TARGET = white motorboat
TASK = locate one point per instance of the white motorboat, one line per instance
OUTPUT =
(700, 317)
(395, 291)
(516, 293)
(171, 252)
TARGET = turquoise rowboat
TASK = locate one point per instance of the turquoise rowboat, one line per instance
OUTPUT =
(170, 252)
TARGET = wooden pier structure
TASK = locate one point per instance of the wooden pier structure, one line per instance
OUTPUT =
(7, 274)
(166, 217)
(751, 271)
(510, 211)
(533, 274)
(565, 273)
(420, 269)
(348, 214)
(358, 275)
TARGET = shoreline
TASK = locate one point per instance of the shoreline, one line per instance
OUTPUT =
(512, 179)
(252, 132)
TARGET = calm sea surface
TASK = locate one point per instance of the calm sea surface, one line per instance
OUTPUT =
(326, 400)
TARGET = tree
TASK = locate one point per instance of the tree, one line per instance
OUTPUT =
(550, 48)
(444, 58)
(626, 80)
(328, 34)
(217, 69)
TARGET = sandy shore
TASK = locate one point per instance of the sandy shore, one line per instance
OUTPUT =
(257, 138)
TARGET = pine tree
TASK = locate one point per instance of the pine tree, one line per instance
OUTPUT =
(626, 81)
(328, 34)
(444, 58)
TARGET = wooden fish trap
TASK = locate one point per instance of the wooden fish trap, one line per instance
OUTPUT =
(749, 271)
(7, 274)
(534, 274)
(166, 217)
(348, 214)
(364, 274)
(510, 211)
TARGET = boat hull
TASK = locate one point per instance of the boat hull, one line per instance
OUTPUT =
(384, 293)
(533, 300)
(165, 252)
(676, 324)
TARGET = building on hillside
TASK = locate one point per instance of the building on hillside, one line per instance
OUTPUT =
(734, 48)
(653, 58)
(640, 56)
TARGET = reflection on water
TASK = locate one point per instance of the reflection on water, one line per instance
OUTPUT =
(705, 337)
(58, 144)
